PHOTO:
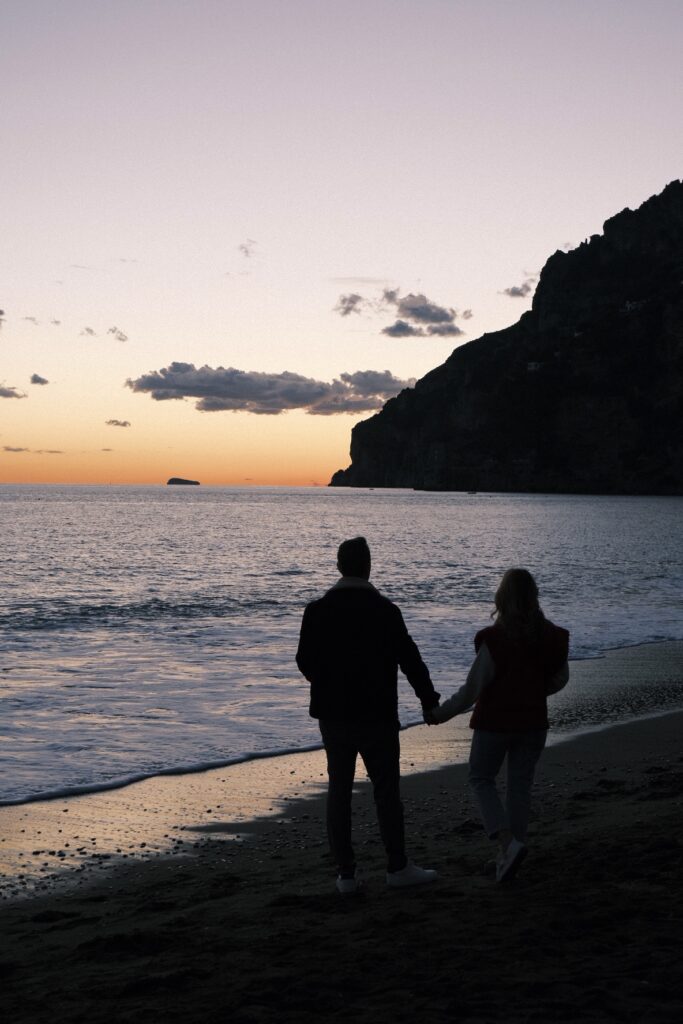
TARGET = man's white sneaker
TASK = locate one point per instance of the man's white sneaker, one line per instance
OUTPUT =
(508, 862)
(411, 874)
(347, 886)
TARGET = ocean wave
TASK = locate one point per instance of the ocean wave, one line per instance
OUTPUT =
(620, 691)
(192, 768)
(64, 614)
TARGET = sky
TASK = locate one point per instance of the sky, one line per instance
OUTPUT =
(231, 229)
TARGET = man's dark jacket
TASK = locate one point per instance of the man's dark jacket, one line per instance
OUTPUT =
(353, 640)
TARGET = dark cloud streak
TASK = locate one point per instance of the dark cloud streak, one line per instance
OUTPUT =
(520, 291)
(10, 392)
(419, 317)
(220, 388)
(402, 329)
(416, 315)
(33, 451)
(351, 303)
(445, 330)
(247, 248)
(418, 308)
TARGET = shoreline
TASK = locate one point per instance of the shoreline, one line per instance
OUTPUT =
(88, 789)
(48, 845)
(255, 931)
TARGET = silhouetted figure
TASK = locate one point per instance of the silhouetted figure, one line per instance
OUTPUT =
(353, 640)
(521, 659)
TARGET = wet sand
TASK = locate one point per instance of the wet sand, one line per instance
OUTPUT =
(253, 930)
(50, 844)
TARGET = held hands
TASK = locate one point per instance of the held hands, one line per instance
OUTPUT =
(430, 715)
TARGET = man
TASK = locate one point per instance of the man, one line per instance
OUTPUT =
(353, 640)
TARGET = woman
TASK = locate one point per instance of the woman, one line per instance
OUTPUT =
(520, 660)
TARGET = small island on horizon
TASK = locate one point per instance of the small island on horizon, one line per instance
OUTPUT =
(180, 480)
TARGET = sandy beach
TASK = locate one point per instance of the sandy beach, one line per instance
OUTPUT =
(252, 929)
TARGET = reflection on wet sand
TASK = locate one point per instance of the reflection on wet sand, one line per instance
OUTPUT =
(70, 841)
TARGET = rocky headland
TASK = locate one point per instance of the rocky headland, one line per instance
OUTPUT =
(582, 395)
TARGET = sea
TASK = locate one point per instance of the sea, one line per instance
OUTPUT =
(146, 630)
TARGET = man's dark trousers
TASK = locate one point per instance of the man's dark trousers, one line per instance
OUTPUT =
(378, 745)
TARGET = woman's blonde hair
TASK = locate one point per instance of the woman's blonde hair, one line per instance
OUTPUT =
(517, 609)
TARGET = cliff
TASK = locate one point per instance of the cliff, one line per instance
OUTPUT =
(582, 395)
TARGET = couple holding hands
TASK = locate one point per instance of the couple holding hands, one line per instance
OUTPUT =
(352, 643)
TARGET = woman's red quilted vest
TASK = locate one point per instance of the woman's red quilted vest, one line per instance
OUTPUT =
(515, 701)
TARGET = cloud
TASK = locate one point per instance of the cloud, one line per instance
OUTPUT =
(418, 316)
(37, 379)
(419, 308)
(2, 317)
(223, 388)
(467, 314)
(106, 449)
(351, 303)
(10, 392)
(247, 248)
(56, 322)
(401, 329)
(31, 320)
(117, 423)
(445, 330)
(374, 382)
(89, 331)
(520, 291)
(33, 451)
(119, 335)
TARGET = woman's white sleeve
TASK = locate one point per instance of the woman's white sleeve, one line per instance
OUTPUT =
(479, 676)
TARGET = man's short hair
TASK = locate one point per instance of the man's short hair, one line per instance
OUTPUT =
(353, 557)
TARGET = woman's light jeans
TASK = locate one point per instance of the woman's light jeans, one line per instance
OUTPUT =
(487, 754)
